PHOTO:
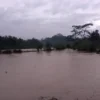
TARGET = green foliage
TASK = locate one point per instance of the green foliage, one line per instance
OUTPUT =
(59, 42)
(86, 41)
(81, 39)
(9, 42)
(94, 36)
(85, 45)
(59, 47)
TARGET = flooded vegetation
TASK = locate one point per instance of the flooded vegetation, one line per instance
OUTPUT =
(30, 71)
(50, 50)
(81, 39)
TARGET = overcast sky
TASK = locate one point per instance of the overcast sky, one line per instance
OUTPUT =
(44, 18)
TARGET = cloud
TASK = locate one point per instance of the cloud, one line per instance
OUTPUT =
(42, 18)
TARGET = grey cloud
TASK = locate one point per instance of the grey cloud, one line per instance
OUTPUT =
(43, 18)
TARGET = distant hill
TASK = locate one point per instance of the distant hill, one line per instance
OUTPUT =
(58, 39)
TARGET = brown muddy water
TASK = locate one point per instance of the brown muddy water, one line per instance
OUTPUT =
(65, 75)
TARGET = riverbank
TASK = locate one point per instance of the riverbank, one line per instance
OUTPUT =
(10, 51)
(19, 51)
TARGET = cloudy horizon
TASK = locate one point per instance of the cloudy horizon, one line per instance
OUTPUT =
(45, 18)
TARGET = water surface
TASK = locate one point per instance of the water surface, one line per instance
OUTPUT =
(66, 75)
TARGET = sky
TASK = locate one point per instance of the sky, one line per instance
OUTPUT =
(45, 18)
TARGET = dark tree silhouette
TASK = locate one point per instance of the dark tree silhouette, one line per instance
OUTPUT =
(48, 46)
(81, 30)
(9, 42)
(94, 36)
(84, 39)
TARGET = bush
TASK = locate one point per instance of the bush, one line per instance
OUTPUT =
(59, 47)
(68, 46)
(84, 45)
(17, 51)
(7, 52)
(48, 47)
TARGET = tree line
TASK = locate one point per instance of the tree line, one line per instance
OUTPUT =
(81, 39)
(10, 42)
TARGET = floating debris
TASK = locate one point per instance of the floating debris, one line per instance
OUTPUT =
(53, 98)
(47, 98)
(6, 72)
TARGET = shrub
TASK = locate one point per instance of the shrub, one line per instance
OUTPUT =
(7, 52)
(17, 51)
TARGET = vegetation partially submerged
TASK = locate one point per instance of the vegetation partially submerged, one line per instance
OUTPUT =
(17, 51)
(82, 39)
(10, 51)
(6, 51)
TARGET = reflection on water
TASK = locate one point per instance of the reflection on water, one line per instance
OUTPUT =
(66, 75)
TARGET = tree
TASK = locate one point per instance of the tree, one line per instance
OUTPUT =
(84, 39)
(48, 46)
(9, 42)
(94, 36)
(81, 30)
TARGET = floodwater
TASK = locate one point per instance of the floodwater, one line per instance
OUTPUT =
(65, 75)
